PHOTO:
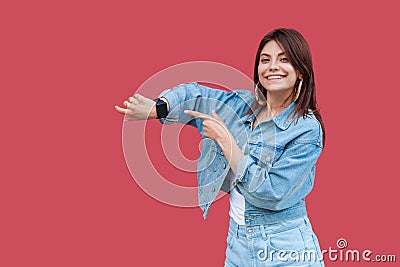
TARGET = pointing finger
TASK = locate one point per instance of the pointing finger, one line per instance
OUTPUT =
(197, 114)
(215, 116)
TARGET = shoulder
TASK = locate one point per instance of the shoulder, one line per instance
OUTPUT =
(245, 96)
(308, 129)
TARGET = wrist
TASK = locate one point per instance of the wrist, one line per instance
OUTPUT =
(153, 112)
(225, 140)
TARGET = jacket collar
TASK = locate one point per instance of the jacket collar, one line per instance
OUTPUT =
(285, 118)
(282, 120)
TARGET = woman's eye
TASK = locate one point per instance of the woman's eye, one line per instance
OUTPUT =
(284, 59)
(264, 60)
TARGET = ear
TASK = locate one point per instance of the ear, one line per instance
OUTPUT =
(299, 75)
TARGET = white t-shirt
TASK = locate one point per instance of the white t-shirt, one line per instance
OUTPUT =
(237, 203)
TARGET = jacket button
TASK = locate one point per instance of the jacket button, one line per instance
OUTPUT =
(251, 217)
(249, 231)
(213, 189)
(223, 165)
(268, 158)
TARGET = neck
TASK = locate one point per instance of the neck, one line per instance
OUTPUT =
(278, 101)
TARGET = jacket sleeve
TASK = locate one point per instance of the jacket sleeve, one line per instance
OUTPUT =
(283, 184)
(193, 96)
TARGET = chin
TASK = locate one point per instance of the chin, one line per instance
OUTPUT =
(273, 89)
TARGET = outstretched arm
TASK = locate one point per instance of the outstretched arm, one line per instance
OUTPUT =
(191, 96)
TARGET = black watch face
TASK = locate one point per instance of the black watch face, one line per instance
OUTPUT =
(161, 108)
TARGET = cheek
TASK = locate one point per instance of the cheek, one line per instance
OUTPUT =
(261, 69)
(293, 76)
(292, 80)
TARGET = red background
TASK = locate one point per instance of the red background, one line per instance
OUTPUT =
(67, 198)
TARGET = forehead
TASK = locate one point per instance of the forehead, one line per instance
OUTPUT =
(272, 48)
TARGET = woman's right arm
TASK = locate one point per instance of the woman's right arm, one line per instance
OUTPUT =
(191, 96)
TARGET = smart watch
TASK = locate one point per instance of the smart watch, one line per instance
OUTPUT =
(161, 108)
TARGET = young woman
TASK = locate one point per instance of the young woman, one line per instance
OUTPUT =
(271, 142)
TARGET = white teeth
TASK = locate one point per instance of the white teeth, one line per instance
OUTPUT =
(274, 77)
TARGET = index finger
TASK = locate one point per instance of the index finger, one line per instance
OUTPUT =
(197, 114)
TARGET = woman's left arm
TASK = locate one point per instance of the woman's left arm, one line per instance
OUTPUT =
(280, 186)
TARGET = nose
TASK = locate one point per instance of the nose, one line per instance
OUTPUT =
(274, 65)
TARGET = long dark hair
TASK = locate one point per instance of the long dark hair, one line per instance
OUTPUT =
(298, 52)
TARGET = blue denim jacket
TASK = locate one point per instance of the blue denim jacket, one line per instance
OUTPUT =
(278, 169)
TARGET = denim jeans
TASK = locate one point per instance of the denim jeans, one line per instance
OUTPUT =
(287, 243)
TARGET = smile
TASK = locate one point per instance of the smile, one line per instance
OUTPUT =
(272, 77)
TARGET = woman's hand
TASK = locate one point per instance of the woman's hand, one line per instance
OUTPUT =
(213, 126)
(215, 129)
(138, 107)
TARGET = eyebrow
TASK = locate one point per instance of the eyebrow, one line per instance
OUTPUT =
(265, 54)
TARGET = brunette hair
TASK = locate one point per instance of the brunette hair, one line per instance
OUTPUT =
(298, 53)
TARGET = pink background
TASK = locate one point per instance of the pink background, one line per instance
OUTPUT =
(66, 195)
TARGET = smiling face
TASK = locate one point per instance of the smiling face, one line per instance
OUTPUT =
(275, 72)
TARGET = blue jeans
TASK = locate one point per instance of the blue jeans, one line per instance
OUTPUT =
(288, 243)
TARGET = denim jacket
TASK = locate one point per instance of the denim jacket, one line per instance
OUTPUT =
(277, 170)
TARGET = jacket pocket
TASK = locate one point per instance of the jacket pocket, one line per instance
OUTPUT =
(264, 154)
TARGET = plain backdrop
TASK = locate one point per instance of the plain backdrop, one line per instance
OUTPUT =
(66, 195)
